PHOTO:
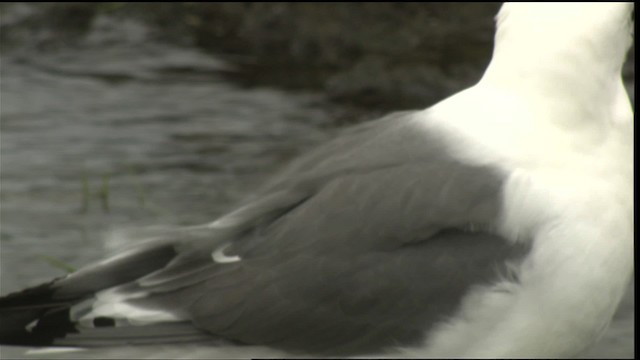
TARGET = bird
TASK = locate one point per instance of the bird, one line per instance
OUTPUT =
(497, 223)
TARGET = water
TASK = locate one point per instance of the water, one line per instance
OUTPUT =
(95, 141)
(100, 138)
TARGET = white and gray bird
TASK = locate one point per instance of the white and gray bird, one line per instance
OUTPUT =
(497, 223)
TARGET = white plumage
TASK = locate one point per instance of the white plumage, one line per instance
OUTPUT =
(551, 108)
(550, 117)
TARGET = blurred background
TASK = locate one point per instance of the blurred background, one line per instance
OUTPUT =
(125, 115)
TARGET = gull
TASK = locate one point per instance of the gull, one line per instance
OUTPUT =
(497, 223)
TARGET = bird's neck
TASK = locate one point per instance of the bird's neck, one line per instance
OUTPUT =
(567, 58)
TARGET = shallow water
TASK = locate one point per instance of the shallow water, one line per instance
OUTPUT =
(96, 139)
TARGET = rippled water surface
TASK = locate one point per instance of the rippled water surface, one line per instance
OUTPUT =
(93, 141)
(99, 139)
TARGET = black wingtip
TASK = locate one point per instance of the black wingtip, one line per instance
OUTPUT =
(19, 309)
(33, 296)
(24, 314)
(39, 315)
(34, 327)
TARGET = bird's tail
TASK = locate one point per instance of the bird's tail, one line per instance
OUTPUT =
(47, 315)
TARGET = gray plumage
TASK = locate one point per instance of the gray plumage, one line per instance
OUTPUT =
(364, 243)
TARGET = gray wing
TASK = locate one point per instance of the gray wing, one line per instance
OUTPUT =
(362, 244)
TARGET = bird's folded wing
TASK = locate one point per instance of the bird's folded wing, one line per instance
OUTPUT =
(365, 243)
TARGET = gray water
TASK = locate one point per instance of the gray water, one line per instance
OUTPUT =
(93, 141)
(100, 138)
